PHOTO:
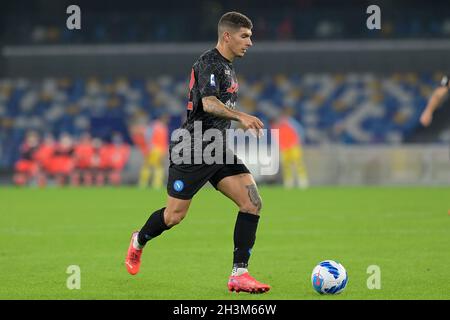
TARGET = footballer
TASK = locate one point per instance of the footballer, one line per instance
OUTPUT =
(213, 89)
(438, 96)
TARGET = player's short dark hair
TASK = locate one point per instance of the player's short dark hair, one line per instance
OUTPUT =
(234, 20)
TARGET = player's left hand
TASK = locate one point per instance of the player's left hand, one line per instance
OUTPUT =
(426, 118)
(252, 123)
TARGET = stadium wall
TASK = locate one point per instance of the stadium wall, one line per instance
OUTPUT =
(380, 56)
(334, 165)
(411, 164)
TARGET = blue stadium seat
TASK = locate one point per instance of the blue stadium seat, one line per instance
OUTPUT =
(365, 108)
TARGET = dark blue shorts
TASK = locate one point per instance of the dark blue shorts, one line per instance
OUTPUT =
(186, 179)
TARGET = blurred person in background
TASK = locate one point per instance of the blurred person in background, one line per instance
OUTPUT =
(26, 168)
(44, 156)
(115, 156)
(98, 162)
(83, 153)
(157, 141)
(156, 137)
(438, 96)
(62, 162)
(290, 142)
(137, 131)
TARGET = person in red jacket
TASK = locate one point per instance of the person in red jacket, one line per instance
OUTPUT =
(26, 168)
(43, 157)
(83, 153)
(116, 156)
(98, 162)
(62, 163)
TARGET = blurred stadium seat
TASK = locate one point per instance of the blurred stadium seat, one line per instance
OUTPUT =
(345, 108)
(364, 88)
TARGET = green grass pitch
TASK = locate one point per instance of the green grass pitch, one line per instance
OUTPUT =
(403, 230)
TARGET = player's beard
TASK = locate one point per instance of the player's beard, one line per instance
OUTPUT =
(238, 52)
(241, 53)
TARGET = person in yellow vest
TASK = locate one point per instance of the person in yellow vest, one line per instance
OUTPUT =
(291, 151)
(157, 139)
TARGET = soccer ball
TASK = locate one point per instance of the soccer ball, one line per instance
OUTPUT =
(329, 277)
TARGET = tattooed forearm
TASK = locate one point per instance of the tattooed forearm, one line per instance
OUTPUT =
(214, 106)
(254, 196)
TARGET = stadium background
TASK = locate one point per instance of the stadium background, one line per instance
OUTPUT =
(358, 94)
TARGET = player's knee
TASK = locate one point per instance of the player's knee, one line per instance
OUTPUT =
(174, 217)
(252, 203)
(251, 206)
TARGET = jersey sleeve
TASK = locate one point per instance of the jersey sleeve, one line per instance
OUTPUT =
(209, 78)
(445, 81)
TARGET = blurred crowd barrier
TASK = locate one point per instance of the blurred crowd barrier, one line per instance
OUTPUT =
(347, 108)
(332, 165)
(412, 164)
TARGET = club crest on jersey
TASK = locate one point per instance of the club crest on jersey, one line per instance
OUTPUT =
(212, 80)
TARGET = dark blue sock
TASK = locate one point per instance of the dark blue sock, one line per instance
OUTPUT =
(154, 226)
(244, 238)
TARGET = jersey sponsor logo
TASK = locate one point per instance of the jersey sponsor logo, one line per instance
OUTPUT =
(230, 105)
(212, 80)
(178, 185)
(228, 72)
(233, 88)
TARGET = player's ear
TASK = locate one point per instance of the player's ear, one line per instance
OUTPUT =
(226, 36)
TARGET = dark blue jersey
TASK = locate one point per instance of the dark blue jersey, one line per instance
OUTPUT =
(211, 75)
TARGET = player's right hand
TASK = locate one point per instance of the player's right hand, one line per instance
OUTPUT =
(426, 118)
(252, 123)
